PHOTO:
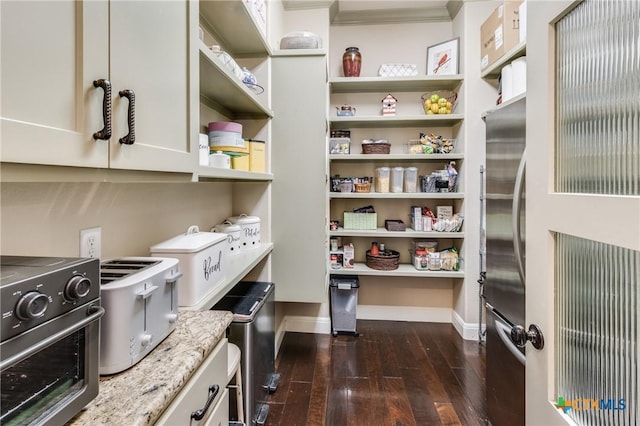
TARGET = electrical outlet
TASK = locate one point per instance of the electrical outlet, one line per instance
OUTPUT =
(90, 240)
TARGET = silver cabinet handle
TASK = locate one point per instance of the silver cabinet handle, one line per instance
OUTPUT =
(130, 137)
(95, 313)
(515, 216)
(105, 133)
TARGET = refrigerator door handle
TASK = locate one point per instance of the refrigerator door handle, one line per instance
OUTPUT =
(515, 216)
(504, 331)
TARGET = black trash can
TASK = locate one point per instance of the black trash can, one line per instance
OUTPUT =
(344, 300)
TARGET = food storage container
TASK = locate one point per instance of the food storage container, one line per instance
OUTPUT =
(411, 179)
(202, 257)
(219, 160)
(397, 179)
(226, 136)
(382, 179)
(301, 40)
(420, 260)
(339, 145)
(249, 230)
(233, 232)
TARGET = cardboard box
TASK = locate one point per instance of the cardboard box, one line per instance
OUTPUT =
(349, 256)
(240, 163)
(499, 33)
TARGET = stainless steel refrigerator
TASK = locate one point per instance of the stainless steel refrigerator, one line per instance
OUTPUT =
(505, 243)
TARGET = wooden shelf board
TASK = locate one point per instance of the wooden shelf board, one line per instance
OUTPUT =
(220, 85)
(383, 233)
(235, 26)
(402, 157)
(444, 120)
(404, 270)
(401, 195)
(394, 84)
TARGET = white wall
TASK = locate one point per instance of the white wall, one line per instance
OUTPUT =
(44, 219)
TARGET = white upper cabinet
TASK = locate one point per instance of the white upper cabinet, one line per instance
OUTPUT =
(149, 44)
(51, 54)
(50, 107)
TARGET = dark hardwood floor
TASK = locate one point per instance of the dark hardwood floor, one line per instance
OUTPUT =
(394, 373)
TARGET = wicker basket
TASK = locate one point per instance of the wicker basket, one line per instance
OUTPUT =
(376, 148)
(362, 187)
(387, 261)
(449, 95)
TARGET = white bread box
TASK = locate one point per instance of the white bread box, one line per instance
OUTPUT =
(202, 257)
(250, 230)
(233, 232)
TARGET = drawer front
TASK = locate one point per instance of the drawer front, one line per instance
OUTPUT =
(220, 414)
(195, 393)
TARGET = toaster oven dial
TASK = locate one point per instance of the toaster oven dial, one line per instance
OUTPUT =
(77, 287)
(32, 305)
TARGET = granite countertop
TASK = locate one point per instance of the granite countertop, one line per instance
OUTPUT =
(139, 395)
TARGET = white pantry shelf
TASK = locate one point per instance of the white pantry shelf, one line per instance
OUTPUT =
(404, 270)
(383, 233)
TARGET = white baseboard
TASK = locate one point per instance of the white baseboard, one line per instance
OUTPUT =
(322, 325)
(468, 330)
(403, 313)
(301, 324)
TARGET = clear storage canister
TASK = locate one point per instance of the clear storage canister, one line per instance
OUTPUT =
(411, 179)
(397, 178)
(382, 179)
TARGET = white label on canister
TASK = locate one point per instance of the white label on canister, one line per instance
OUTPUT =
(210, 268)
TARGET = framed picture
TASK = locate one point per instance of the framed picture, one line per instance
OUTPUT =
(442, 58)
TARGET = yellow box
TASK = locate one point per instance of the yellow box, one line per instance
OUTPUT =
(499, 33)
(257, 155)
(240, 163)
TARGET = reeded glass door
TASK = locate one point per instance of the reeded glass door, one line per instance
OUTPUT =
(583, 211)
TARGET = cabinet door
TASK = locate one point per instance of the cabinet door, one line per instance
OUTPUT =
(52, 51)
(298, 158)
(149, 54)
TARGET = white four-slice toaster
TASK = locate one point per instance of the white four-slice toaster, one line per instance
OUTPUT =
(140, 298)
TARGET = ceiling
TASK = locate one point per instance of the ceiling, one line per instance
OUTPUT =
(362, 12)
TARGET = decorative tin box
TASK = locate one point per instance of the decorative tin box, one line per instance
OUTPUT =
(202, 256)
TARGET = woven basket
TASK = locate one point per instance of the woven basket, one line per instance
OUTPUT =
(387, 261)
(376, 148)
(363, 187)
(395, 225)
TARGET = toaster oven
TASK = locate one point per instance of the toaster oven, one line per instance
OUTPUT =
(50, 338)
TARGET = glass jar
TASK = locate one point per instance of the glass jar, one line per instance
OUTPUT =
(351, 62)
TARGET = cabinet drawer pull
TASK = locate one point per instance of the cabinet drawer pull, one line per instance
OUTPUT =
(199, 414)
(130, 137)
(105, 133)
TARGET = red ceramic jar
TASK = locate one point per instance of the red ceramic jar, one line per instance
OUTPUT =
(351, 62)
